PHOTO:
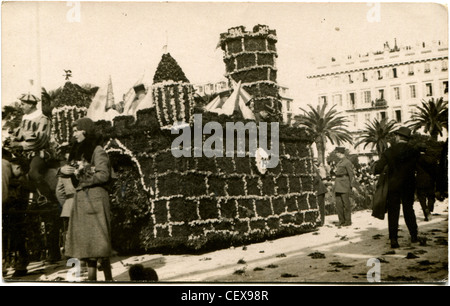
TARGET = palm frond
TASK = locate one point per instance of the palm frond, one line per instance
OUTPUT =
(377, 134)
(432, 116)
(324, 124)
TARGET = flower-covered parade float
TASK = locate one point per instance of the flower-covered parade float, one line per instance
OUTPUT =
(162, 201)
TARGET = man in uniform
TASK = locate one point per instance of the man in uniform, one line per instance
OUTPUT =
(401, 160)
(343, 185)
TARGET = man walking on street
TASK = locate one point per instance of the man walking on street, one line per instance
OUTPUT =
(401, 160)
(345, 181)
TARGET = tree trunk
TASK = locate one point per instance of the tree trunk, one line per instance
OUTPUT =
(320, 145)
(434, 135)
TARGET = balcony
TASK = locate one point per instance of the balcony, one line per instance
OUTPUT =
(375, 105)
(379, 103)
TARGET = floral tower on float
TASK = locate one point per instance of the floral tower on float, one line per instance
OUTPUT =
(250, 57)
(173, 95)
(70, 104)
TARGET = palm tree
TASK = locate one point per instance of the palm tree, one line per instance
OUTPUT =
(432, 116)
(378, 134)
(324, 125)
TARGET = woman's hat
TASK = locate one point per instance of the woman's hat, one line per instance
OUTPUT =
(85, 124)
(403, 131)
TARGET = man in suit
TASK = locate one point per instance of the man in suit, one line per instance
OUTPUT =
(426, 180)
(401, 160)
(343, 185)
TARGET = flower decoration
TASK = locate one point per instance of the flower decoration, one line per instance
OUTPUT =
(172, 93)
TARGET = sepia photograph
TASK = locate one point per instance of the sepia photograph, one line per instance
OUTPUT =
(224, 143)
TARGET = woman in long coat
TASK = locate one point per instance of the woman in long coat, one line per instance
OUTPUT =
(89, 232)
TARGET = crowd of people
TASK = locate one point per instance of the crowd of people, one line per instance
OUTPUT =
(76, 201)
(81, 183)
(412, 173)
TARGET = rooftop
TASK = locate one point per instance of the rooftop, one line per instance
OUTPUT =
(383, 58)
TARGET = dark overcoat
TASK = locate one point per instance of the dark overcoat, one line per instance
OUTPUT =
(401, 160)
(426, 171)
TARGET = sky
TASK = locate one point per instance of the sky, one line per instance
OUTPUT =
(124, 40)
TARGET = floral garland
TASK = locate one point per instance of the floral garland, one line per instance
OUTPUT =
(125, 151)
(249, 84)
(251, 231)
(239, 31)
(182, 105)
(62, 119)
(172, 105)
(234, 55)
(251, 68)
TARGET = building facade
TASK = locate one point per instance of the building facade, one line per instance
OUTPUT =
(286, 104)
(390, 83)
(208, 89)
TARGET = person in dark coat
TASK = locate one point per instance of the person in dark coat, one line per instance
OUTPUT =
(15, 192)
(401, 160)
(426, 182)
(89, 231)
(442, 174)
(343, 185)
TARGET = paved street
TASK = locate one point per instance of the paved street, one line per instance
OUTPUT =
(330, 254)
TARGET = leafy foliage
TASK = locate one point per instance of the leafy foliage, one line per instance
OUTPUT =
(129, 207)
(378, 134)
(168, 69)
(11, 116)
(323, 125)
(432, 116)
(74, 95)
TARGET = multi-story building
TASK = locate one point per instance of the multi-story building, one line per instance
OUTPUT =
(286, 104)
(388, 83)
(209, 89)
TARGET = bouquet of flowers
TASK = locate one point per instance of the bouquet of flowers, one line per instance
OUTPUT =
(83, 169)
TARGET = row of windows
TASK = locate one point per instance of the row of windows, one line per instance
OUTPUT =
(370, 97)
(221, 86)
(211, 88)
(380, 74)
(359, 120)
